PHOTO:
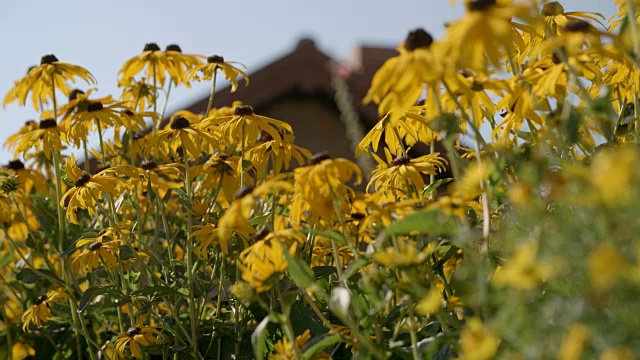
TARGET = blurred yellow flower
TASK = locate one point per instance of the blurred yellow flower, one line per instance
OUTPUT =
(523, 271)
(477, 342)
(574, 343)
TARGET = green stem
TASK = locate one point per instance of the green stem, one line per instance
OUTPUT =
(213, 92)
(242, 156)
(166, 101)
(104, 154)
(192, 301)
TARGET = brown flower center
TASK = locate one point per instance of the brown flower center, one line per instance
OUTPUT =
(401, 160)
(173, 47)
(244, 110)
(40, 299)
(552, 9)
(74, 94)
(243, 191)
(133, 331)
(148, 165)
(102, 232)
(577, 26)
(29, 123)
(95, 246)
(15, 165)
(82, 180)
(151, 47)
(47, 124)
(94, 106)
(358, 216)
(480, 5)
(261, 234)
(265, 137)
(418, 38)
(180, 123)
(48, 59)
(319, 157)
(215, 59)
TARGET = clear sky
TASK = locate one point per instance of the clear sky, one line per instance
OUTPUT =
(101, 35)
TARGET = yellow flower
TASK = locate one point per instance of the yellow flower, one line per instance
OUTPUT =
(606, 267)
(574, 343)
(431, 303)
(403, 174)
(153, 62)
(477, 342)
(617, 353)
(486, 29)
(523, 271)
(181, 64)
(263, 263)
(101, 115)
(135, 337)
(28, 179)
(40, 311)
(138, 93)
(42, 80)
(48, 135)
(277, 153)
(181, 133)
(406, 255)
(13, 139)
(87, 189)
(284, 349)
(103, 248)
(228, 68)
(399, 82)
(221, 171)
(244, 127)
(317, 187)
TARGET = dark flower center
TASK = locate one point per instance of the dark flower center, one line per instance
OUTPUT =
(148, 165)
(180, 123)
(47, 124)
(74, 94)
(133, 331)
(358, 216)
(15, 165)
(29, 123)
(173, 47)
(244, 110)
(82, 180)
(95, 246)
(128, 112)
(480, 5)
(265, 137)
(40, 299)
(102, 232)
(48, 59)
(418, 38)
(139, 135)
(552, 9)
(319, 157)
(94, 106)
(243, 191)
(215, 59)
(151, 47)
(261, 234)
(577, 26)
(556, 59)
(401, 160)
(476, 86)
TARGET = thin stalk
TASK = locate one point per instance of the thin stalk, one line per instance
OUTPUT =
(191, 301)
(288, 328)
(104, 154)
(213, 92)
(87, 168)
(414, 336)
(155, 100)
(242, 156)
(166, 100)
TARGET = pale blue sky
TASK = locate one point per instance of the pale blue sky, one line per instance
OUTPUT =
(101, 35)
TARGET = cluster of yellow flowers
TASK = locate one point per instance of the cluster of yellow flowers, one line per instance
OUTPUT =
(183, 238)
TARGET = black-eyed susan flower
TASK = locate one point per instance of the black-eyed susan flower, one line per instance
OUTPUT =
(397, 85)
(88, 189)
(478, 38)
(284, 349)
(12, 139)
(263, 263)
(230, 69)
(222, 175)
(319, 185)
(102, 116)
(135, 337)
(277, 153)
(42, 80)
(182, 63)
(138, 94)
(153, 62)
(244, 127)
(181, 133)
(40, 311)
(27, 179)
(104, 248)
(402, 175)
(47, 137)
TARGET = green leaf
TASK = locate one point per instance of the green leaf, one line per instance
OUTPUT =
(28, 276)
(319, 343)
(185, 200)
(258, 339)
(452, 251)
(5, 259)
(572, 127)
(92, 292)
(158, 291)
(436, 185)
(322, 272)
(330, 234)
(426, 221)
(126, 253)
(353, 268)
(300, 272)
(303, 318)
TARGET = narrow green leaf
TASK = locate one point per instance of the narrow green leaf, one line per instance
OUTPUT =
(436, 185)
(92, 292)
(28, 276)
(319, 343)
(300, 272)
(258, 339)
(322, 272)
